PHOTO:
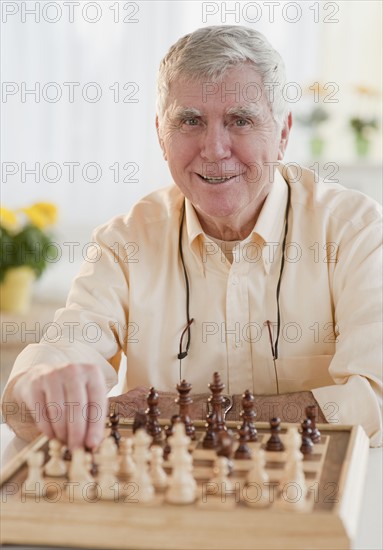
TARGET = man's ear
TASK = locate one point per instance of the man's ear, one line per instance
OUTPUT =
(160, 140)
(285, 133)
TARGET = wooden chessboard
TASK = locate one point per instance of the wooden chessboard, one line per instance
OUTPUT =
(334, 472)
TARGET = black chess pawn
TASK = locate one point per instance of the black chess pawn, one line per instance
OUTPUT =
(243, 452)
(93, 466)
(248, 414)
(67, 454)
(210, 440)
(185, 401)
(312, 414)
(114, 419)
(274, 443)
(225, 444)
(152, 414)
(139, 421)
(307, 444)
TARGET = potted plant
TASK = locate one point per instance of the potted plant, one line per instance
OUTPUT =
(363, 128)
(24, 243)
(314, 120)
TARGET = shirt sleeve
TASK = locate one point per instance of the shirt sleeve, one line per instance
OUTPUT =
(91, 328)
(357, 364)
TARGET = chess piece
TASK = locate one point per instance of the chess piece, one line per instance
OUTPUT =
(67, 455)
(182, 485)
(79, 476)
(56, 466)
(248, 414)
(157, 473)
(107, 463)
(139, 421)
(293, 453)
(293, 484)
(307, 444)
(210, 439)
(274, 443)
(221, 478)
(243, 452)
(185, 401)
(127, 465)
(152, 414)
(141, 476)
(312, 414)
(114, 419)
(34, 481)
(217, 403)
(256, 493)
(169, 432)
(224, 446)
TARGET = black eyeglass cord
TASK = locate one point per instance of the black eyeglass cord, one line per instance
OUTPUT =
(274, 348)
(182, 354)
(281, 270)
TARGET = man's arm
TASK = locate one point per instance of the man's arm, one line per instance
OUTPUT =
(58, 387)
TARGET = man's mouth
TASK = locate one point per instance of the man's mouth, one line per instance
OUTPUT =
(216, 180)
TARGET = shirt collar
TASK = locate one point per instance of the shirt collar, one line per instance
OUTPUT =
(271, 219)
(268, 227)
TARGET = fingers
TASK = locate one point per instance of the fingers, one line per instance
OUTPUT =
(96, 410)
(67, 403)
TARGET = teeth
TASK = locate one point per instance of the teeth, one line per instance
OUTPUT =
(216, 180)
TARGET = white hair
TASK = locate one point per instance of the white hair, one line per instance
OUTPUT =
(209, 52)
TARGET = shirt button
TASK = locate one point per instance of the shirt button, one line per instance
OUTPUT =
(238, 344)
(234, 281)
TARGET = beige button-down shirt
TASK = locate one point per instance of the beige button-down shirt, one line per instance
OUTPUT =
(130, 296)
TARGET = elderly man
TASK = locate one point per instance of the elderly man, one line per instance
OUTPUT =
(242, 267)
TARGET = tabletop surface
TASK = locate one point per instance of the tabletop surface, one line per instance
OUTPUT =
(369, 532)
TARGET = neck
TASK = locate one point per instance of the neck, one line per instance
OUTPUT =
(232, 228)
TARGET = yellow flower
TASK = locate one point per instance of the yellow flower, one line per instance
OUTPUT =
(41, 214)
(48, 209)
(8, 218)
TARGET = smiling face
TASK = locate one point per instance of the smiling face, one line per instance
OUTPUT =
(219, 140)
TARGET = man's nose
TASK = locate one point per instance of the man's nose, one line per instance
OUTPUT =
(215, 143)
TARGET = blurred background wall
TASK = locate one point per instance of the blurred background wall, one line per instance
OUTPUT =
(78, 101)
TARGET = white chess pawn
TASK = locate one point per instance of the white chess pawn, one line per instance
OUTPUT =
(127, 464)
(256, 492)
(34, 482)
(182, 485)
(293, 484)
(293, 442)
(157, 473)
(106, 460)
(221, 472)
(56, 466)
(141, 457)
(80, 479)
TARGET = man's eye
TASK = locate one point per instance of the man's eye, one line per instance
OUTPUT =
(240, 122)
(191, 121)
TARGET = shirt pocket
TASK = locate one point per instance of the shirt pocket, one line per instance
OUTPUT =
(303, 373)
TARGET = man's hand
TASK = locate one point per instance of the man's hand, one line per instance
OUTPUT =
(68, 403)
